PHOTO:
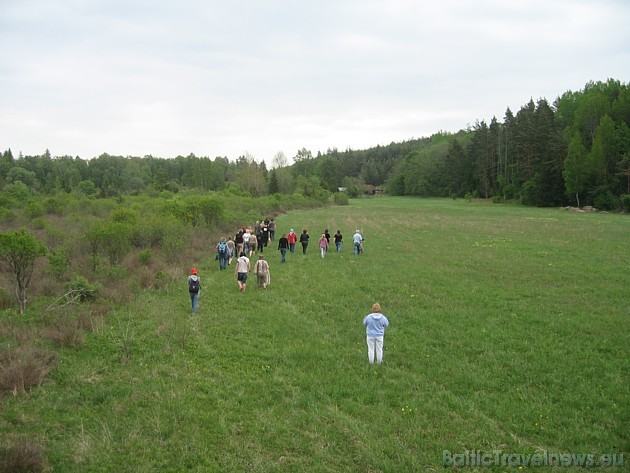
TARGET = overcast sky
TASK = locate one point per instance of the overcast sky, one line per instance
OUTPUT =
(230, 77)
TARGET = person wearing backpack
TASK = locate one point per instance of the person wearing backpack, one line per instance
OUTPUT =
(194, 288)
(223, 254)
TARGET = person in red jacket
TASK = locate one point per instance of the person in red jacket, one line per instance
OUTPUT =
(292, 237)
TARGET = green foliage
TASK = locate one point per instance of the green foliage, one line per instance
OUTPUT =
(59, 262)
(55, 205)
(18, 191)
(87, 187)
(341, 198)
(109, 239)
(33, 209)
(145, 257)
(19, 250)
(625, 202)
(124, 215)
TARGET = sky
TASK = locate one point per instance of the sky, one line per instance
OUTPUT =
(262, 77)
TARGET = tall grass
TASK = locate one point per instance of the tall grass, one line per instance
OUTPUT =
(509, 331)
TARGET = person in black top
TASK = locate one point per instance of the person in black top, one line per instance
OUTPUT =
(283, 246)
(338, 240)
(304, 240)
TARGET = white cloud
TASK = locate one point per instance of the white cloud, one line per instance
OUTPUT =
(222, 78)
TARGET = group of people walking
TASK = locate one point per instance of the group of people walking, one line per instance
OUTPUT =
(247, 242)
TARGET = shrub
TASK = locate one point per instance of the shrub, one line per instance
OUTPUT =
(341, 198)
(59, 262)
(23, 368)
(6, 299)
(65, 333)
(145, 257)
(82, 290)
(124, 215)
(625, 202)
(54, 205)
(33, 209)
(23, 455)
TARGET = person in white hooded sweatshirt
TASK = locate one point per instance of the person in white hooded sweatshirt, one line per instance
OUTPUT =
(375, 324)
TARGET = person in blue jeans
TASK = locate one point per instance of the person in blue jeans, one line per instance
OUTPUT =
(357, 239)
(338, 240)
(283, 246)
(223, 254)
(194, 288)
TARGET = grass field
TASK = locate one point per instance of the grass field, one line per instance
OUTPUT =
(509, 332)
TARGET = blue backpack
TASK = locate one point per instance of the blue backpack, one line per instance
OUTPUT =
(222, 248)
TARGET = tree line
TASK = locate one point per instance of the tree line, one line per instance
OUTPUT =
(574, 151)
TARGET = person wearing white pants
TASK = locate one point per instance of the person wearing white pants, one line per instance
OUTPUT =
(375, 324)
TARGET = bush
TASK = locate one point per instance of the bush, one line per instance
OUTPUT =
(23, 455)
(625, 202)
(82, 290)
(65, 333)
(58, 262)
(23, 368)
(145, 257)
(33, 209)
(54, 205)
(341, 198)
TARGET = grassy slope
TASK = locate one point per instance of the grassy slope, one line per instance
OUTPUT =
(509, 330)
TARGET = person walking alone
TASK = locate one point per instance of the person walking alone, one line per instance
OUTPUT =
(194, 288)
(375, 324)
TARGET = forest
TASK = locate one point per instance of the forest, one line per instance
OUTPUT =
(575, 151)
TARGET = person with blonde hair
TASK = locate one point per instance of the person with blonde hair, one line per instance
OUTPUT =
(375, 324)
(323, 244)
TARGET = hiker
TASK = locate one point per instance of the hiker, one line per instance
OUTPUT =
(261, 270)
(238, 240)
(375, 324)
(231, 249)
(272, 229)
(357, 239)
(253, 243)
(323, 244)
(246, 236)
(265, 233)
(194, 288)
(260, 240)
(304, 240)
(327, 235)
(241, 269)
(292, 237)
(222, 254)
(283, 246)
(338, 240)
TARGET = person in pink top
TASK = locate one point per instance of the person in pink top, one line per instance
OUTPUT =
(323, 244)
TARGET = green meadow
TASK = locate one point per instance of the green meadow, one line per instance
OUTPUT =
(509, 336)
